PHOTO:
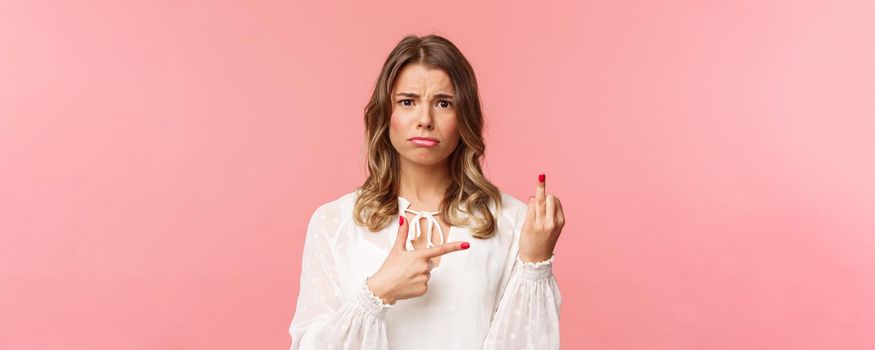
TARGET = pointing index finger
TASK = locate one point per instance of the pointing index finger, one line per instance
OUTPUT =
(445, 248)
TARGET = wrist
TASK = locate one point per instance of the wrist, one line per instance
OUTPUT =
(368, 303)
(536, 271)
(380, 292)
(532, 258)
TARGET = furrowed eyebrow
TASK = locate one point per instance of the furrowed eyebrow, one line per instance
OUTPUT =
(436, 96)
(444, 96)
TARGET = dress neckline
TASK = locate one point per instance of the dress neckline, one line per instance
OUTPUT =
(449, 259)
(414, 229)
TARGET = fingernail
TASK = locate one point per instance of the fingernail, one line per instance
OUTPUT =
(542, 177)
(400, 220)
(530, 197)
(465, 245)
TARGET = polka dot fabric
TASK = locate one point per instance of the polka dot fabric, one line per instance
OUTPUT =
(483, 297)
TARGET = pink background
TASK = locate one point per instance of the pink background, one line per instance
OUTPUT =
(159, 161)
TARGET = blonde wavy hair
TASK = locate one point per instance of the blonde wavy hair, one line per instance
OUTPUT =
(377, 201)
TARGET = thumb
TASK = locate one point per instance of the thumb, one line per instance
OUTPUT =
(401, 239)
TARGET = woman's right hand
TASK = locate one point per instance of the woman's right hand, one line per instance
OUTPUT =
(405, 273)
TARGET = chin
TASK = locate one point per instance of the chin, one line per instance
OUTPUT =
(427, 160)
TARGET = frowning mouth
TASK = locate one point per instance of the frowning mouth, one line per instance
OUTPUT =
(424, 141)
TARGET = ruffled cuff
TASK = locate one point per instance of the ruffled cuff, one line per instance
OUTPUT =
(370, 303)
(536, 271)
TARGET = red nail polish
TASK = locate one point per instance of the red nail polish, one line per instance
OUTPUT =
(465, 245)
(400, 220)
(542, 177)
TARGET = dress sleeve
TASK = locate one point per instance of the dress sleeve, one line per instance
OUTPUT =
(326, 317)
(528, 311)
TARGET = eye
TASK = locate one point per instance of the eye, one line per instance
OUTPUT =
(402, 102)
(445, 103)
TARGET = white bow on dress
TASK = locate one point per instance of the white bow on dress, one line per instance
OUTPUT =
(415, 230)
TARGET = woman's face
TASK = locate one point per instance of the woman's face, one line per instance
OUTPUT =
(423, 106)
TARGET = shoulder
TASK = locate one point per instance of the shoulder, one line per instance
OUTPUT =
(513, 209)
(512, 202)
(335, 210)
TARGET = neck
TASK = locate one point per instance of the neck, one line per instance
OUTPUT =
(425, 184)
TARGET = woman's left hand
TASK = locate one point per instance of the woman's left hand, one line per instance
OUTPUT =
(543, 224)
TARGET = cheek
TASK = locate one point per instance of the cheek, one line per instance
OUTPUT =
(396, 122)
(452, 129)
(397, 126)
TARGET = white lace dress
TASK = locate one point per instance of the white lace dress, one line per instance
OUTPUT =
(483, 297)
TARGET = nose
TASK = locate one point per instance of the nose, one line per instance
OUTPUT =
(425, 119)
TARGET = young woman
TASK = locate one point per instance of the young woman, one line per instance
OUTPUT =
(478, 276)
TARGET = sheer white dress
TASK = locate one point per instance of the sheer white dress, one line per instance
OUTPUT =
(483, 297)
